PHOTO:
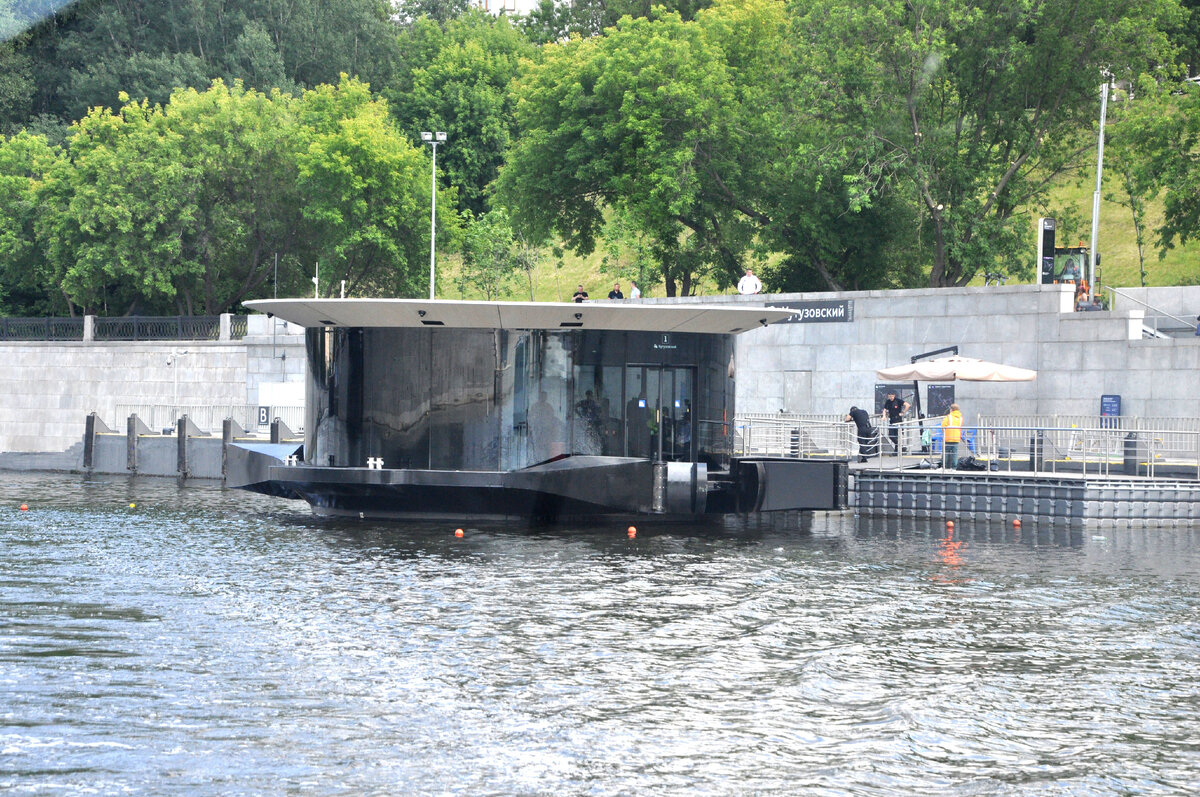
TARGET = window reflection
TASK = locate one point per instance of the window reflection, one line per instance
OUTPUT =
(452, 399)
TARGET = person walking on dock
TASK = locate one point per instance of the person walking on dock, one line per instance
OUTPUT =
(894, 408)
(952, 435)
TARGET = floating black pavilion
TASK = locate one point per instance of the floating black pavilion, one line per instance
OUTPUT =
(535, 410)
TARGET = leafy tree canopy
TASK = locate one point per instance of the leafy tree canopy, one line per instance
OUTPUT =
(185, 207)
(90, 51)
(973, 107)
(457, 80)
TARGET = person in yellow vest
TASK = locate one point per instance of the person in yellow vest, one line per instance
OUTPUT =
(952, 435)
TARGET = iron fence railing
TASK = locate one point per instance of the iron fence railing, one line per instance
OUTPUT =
(123, 328)
(210, 418)
(158, 328)
(41, 328)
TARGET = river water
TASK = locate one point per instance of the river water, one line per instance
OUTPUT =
(213, 642)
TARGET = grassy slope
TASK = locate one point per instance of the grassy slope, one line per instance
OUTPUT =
(1117, 244)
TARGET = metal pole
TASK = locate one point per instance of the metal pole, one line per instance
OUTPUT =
(432, 214)
(1096, 196)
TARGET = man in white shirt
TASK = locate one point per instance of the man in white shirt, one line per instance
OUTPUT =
(749, 283)
(634, 291)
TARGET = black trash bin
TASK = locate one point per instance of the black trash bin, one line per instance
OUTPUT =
(1131, 455)
(1037, 451)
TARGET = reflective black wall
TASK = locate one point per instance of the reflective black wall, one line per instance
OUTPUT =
(449, 399)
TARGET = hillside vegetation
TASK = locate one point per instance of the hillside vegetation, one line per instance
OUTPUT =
(217, 151)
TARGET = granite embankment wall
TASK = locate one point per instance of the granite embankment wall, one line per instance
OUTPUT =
(812, 366)
(47, 389)
(825, 366)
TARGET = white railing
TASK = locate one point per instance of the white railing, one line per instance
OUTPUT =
(1152, 319)
(209, 418)
(1099, 450)
(783, 435)
(1128, 423)
(1086, 444)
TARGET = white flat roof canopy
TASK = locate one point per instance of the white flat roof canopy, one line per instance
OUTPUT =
(711, 319)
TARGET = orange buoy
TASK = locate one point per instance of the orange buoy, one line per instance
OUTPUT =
(1016, 523)
(458, 532)
(24, 507)
(631, 531)
(949, 524)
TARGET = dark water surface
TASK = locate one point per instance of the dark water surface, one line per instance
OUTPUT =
(213, 642)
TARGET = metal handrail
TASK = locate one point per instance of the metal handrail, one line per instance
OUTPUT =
(1129, 423)
(1114, 292)
(1095, 448)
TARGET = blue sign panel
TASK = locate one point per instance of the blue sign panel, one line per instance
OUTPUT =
(1110, 407)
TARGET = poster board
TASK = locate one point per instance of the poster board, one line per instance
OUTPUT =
(904, 392)
(940, 399)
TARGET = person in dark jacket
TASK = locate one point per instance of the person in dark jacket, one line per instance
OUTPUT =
(866, 433)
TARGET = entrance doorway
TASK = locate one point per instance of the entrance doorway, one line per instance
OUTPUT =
(658, 412)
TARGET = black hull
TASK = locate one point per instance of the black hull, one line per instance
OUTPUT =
(571, 488)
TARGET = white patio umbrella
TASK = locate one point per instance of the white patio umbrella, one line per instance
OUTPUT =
(948, 369)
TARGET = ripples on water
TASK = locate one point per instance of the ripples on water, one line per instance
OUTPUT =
(213, 642)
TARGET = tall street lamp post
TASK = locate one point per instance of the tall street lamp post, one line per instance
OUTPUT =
(433, 139)
(1096, 195)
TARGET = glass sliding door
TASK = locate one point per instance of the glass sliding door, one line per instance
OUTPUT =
(658, 412)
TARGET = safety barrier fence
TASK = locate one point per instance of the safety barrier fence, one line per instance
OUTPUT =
(106, 328)
(1084, 444)
(208, 417)
(41, 329)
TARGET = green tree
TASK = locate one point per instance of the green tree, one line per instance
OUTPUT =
(554, 21)
(458, 81)
(25, 161)
(366, 192)
(185, 207)
(973, 107)
(489, 256)
(439, 11)
(115, 210)
(710, 140)
(1157, 140)
(623, 121)
(88, 52)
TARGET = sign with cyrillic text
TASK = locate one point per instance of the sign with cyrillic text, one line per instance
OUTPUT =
(818, 312)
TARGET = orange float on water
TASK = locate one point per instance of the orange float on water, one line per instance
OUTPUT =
(1016, 523)
(949, 524)
(458, 532)
(631, 531)
(24, 507)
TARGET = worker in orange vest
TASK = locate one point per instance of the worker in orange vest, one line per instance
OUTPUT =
(952, 435)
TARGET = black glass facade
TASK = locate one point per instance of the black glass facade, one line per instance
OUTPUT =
(491, 399)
